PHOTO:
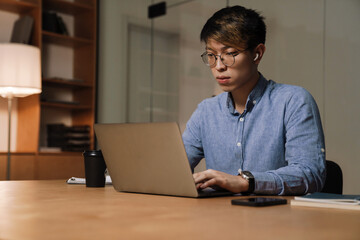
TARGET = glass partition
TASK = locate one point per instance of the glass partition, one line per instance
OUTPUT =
(166, 77)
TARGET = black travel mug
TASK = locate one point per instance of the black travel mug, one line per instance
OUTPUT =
(94, 168)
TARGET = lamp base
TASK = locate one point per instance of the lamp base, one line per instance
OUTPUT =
(8, 168)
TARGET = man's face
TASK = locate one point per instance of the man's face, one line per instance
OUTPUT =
(240, 74)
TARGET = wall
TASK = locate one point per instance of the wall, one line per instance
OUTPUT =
(342, 87)
(311, 43)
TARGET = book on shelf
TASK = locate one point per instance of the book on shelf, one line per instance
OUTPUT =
(328, 200)
(80, 129)
(68, 138)
(49, 22)
(52, 22)
(22, 29)
(62, 26)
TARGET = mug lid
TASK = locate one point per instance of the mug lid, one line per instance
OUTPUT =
(92, 153)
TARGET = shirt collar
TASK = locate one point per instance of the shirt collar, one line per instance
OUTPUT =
(253, 98)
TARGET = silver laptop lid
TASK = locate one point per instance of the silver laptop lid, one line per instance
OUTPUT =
(146, 158)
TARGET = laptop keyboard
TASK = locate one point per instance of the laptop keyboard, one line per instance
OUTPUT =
(210, 192)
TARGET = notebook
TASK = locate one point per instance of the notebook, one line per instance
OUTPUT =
(328, 200)
(148, 158)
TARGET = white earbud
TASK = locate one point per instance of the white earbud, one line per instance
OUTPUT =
(256, 57)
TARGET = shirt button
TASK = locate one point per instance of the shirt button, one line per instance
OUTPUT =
(238, 144)
(254, 102)
(241, 119)
(322, 150)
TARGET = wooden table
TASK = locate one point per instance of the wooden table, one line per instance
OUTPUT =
(56, 210)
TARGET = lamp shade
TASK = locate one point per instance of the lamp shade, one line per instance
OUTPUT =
(20, 70)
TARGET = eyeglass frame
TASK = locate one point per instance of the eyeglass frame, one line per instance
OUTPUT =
(234, 54)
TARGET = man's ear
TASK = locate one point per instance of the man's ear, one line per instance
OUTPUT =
(259, 53)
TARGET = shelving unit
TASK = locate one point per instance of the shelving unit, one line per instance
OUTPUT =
(33, 113)
(82, 44)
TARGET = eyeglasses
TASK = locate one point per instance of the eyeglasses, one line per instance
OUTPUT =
(228, 59)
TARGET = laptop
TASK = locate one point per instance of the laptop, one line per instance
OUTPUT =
(148, 158)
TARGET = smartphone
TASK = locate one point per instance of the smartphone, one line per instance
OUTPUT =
(258, 201)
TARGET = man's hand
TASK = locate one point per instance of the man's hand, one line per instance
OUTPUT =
(209, 178)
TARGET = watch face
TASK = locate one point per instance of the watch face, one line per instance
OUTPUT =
(247, 175)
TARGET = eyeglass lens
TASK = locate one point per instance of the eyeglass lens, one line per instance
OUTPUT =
(210, 59)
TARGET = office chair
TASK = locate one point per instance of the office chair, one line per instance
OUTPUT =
(334, 178)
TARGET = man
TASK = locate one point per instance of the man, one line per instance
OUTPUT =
(271, 130)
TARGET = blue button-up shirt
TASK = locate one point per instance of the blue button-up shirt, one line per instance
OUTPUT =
(278, 138)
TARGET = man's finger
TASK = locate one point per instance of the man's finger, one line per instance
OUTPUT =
(209, 183)
(200, 177)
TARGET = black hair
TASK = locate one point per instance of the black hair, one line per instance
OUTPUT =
(235, 26)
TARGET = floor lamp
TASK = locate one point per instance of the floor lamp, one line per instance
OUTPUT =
(20, 76)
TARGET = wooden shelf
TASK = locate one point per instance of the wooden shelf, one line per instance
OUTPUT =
(64, 40)
(15, 6)
(66, 106)
(62, 153)
(17, 153)
(66, 7)
(57, 82)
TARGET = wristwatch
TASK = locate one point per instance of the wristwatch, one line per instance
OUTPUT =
(250, 178)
